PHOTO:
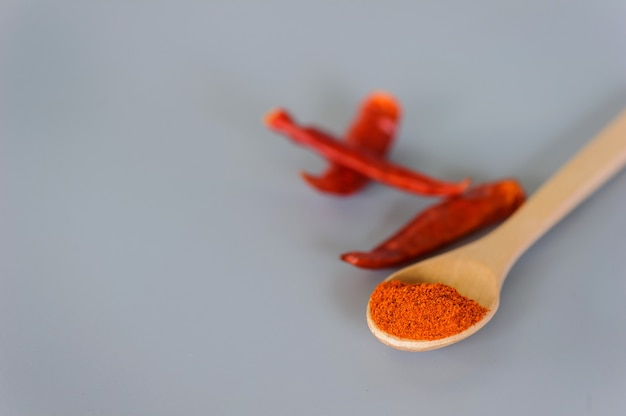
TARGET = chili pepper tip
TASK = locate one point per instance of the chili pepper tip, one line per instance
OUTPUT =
(375, 259)
(384, 103)
(348, 257)
(348, 186)
(276, 117)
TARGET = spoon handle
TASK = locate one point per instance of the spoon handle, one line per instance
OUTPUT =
(587, 171)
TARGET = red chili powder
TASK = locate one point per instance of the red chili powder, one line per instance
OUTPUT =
(425, 311)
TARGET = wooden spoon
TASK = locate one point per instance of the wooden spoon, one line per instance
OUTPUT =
(478, 270)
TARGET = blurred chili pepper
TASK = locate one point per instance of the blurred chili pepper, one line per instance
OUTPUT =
(444, 223)
(372, 131)
(365, 163)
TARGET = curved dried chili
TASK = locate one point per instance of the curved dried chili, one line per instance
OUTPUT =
(365, 163)
(443, 223)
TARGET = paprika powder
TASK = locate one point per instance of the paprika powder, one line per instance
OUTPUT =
(424, 311)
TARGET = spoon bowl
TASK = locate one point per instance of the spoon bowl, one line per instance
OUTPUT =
(460, 269)
(478, 270)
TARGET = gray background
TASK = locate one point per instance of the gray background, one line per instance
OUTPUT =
(161, 256)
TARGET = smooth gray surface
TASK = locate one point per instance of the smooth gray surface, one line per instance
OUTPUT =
(161, 256)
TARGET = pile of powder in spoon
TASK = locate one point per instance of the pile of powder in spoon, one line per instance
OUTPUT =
(425, 311)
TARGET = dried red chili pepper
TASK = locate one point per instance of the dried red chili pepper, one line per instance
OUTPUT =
(373, 131)
(443, 223)
(364, 163)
